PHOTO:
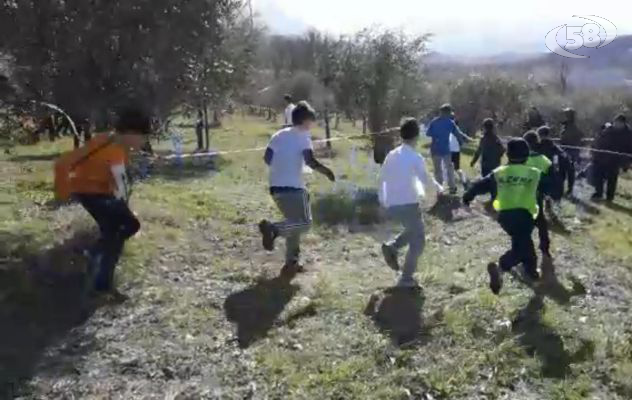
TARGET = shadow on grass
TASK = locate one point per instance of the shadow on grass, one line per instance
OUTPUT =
(35, 157)
(255, 309)
(42, 299)
(586, 206)
(541, 340)
(340, 208)
(398, 312)
(619, 208)
(551, 287)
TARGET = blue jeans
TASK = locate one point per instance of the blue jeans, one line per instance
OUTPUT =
(117, 224)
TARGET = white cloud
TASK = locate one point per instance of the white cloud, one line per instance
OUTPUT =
(460, 26)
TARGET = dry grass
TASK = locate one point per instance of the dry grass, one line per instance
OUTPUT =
(209, 317)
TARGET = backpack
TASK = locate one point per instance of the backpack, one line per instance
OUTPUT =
(64, 166)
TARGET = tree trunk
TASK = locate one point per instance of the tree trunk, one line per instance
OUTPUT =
(364, 124)
(206, 126)
(327, 129)
(337, 125)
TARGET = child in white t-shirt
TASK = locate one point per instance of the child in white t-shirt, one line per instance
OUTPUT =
(288, 151)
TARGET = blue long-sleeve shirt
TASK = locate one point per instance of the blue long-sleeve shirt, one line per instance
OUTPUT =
(440, 130)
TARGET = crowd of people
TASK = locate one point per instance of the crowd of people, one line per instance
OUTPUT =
(538, 168)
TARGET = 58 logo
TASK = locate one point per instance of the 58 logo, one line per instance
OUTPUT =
(597, 33)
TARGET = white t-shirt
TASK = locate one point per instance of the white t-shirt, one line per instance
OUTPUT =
(403, 177)
(286, 168)
(288, 114)
(455, 146)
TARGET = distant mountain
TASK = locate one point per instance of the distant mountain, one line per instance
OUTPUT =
(608, 66)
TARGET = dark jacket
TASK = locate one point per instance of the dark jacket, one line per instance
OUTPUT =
(571, 135)
(490, 150)
(562, 166)
(615, 140)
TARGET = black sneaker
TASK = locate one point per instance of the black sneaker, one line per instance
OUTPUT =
(495, 278)
(268, 234)
(532, 274)
(292, 269)
(596, 198)
(390, 256)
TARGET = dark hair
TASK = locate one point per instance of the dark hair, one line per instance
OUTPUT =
(544, 131)
(409, 129)
(446, 108)
(303, 112)
(532, 139)
(288, 98)
(133, 119)
(488, 124)
(620, 118)
(517, 151)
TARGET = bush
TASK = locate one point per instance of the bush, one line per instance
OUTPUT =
(359, 205)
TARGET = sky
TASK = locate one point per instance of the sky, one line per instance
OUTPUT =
(460, 27)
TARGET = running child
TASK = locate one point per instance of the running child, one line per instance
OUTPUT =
(545, 166)
(516, 185)
(288, 151)
(402, 181)
(98, 181)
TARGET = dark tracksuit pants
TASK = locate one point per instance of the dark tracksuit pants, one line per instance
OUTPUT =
(543, 228)
(574, 164)
(117, 224)
(519, 225)
(605, 175)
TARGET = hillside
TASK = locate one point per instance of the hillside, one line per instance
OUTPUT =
(607, 67)
(207, 315)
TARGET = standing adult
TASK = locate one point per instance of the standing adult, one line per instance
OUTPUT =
(572, 138)
(199, 130)
(606, 164)
(289, 108)
(439, 130)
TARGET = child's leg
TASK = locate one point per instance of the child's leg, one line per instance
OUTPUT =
(298, 219)
(447, 160)
(413, 236)
(117, 224)
(437, 162)
(543, 230)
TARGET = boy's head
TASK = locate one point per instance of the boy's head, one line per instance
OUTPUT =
(303, 115)
(532, 139)
(620, 121)
(544, 132)
(133, 126)
(517, 151)
(569, 115)
(446, 110)
(288, 99)
(488, 125)
(409, 131)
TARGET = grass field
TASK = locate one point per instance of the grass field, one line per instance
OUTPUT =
(209, 317)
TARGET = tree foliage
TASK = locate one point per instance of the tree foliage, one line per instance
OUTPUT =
(89, 56)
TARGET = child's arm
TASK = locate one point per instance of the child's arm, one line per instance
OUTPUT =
(456, 131)
(482, 186)
(268, 156)
(477, 155)
(314, 164)
(121, 185)
(422, 174)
